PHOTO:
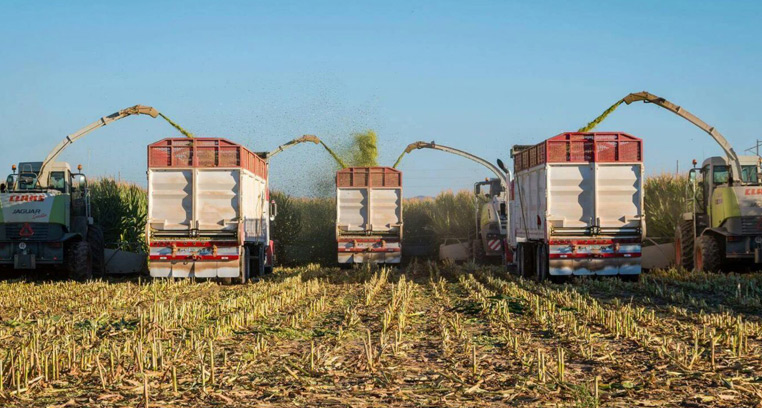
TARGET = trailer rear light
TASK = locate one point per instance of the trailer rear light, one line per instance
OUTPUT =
(734, 239)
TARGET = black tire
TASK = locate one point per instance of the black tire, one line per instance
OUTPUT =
(708, 256)
(519, 260)
(97, 246)
(259, 265)
(541, 263)
(479, 254)
(527, 263)
(684, 245)
(78, 261)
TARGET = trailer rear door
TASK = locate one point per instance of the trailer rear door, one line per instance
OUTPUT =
(171, 199)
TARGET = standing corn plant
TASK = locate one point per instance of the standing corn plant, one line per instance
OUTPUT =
(665, 201)
(121, 209)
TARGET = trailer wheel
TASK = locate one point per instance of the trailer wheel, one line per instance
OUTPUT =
(518, 260)
(708, 254)
(78, 261)
(541, 263)
(684, 245)
(527, 263)
(97, 246)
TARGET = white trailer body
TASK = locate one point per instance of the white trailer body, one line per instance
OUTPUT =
(369, 215)
(577, 206)
(208, 210)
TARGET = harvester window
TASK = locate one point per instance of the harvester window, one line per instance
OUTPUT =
(721, 175)
(58, 181)
(27, 181)
(750, 174)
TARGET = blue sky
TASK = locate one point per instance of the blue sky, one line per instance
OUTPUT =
(480, 76)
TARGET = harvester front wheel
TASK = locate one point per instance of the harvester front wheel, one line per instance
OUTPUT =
(97, 246)
(684, 243)
(78, 261)
(708, 254)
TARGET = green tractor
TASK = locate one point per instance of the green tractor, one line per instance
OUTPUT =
(724, 228)
(45, 216)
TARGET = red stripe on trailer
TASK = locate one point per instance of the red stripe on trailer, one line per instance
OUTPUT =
(594, 241)
(204, 152)
(576, 147)
(594, 256)
(388, 241)
(370, 250)
(194, 258)
(192, 244)
(374, 177)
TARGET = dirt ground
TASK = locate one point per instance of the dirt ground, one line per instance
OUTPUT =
(425, 335)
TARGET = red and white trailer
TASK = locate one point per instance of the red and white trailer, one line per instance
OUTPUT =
(369, 215)
(577, 206)
(209, 210)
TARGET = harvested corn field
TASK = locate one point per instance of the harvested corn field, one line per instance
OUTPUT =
(427, 335)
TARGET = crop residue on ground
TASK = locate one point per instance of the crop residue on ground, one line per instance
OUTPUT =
(425, 335)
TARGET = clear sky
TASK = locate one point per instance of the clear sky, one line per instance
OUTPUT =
(480, 76)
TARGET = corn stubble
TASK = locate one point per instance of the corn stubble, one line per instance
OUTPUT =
(427, 335)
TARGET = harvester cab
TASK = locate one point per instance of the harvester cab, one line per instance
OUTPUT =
(724, 225)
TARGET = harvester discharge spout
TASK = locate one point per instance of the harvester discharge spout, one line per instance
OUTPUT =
(133, 110)
(680, 111)
(292, 143)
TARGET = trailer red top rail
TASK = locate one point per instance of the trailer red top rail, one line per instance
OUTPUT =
(575, 147)
(204, 152)
(375, 177)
